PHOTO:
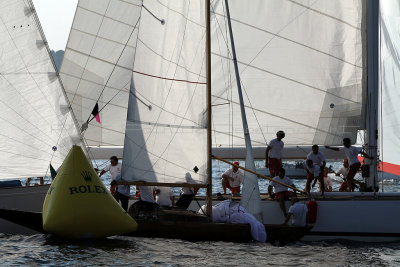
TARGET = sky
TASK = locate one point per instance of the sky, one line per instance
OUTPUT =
(56, 18)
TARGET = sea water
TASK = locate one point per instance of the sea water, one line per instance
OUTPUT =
(43, 250)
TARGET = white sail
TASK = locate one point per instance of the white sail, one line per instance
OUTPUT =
(301, 67)
(390, 80)
(97, 66)
(34, 114)
(166, 131)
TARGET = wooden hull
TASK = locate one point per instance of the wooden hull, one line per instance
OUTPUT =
(202, 231)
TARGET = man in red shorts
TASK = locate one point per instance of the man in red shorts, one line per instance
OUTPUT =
(281, 192)
(273, 154)
(232, 179)
(352, 156)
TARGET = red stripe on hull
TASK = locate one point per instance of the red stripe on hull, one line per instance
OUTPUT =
(386, 167)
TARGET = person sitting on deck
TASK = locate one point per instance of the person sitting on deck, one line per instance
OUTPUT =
(319, 161)
(232, 179)
(298, 211)
(273, 154)
(327, 182)
(187, 194)
(281, 191)
(342, 172)
(352, 156)
(164, 196)
(122, 192)
(28, 181)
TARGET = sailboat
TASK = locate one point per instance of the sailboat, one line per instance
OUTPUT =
(38, 125)
(310, 69)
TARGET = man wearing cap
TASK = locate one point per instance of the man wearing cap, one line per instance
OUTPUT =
(232, 179)
(273, 154)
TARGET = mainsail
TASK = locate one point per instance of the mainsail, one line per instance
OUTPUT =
(37, 124)
(389, 82)
(301, 68)
(166, 131)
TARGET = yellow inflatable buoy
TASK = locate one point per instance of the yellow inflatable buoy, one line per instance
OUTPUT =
(78, 205)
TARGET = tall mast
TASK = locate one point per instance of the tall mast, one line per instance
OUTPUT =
(209, 144)
(251, 192)
(372, 89)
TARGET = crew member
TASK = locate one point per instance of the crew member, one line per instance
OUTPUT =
(273, 154)
(232, 179)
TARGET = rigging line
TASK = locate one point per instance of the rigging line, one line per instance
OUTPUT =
(183, 15)
(291, 41)
(91, 49)
(252, 109)
(25, 144)
(221, 60)
(168, 79)
(162, 21)
(166, 125)
(35, 126)
(286, 119)
(295, 81)
(23, 155)
(101, 37)
(241, 81)
(228, 84)
(163, 58)
(105, 16)
(109, 77)
(325, 14)
(95, 83)
(167, 111)
(96, 142)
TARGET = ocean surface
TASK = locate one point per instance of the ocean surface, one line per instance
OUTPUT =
(43, 250)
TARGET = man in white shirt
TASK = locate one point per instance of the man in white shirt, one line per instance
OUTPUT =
(122, 192)
(298, 211)
(312, 172)
(281, 191)
(232, 179)
(319, 161)
(164, 196)
(273, 154)
(114, 168)
(352, 156)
